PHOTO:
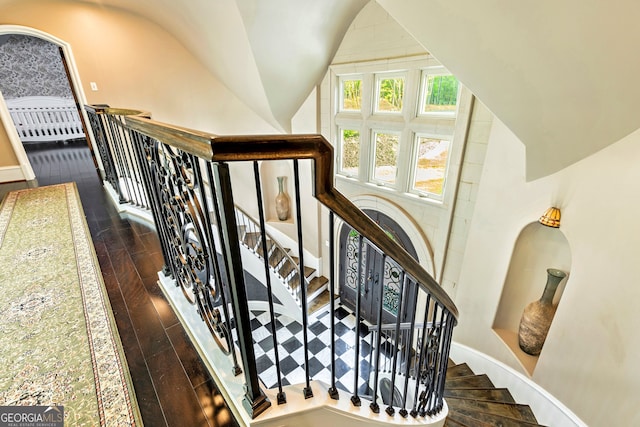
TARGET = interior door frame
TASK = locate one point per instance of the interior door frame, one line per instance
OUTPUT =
(74, 83)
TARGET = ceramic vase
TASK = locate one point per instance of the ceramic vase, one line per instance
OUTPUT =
(537, 316)
(283, 202)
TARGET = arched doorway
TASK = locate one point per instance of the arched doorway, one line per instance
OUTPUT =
(72, 80)
(374, 274)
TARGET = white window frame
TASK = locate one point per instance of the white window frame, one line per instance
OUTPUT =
(434, 71)
(414, 161)
(409, 123)
(372, 161)
(339, 162)
(342, 79)
(376, 89)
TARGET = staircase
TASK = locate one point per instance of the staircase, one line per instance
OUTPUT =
(474, 401)
(286, 266)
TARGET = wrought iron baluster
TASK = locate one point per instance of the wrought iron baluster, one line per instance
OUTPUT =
(333, 391)
(282, 397)
(408, 358)
(115, 146)
(98, 129)
(303, 286)
(446, 347)
(255, 402)
(378, 334)
(355, 399)
(438, 363)
(433, 344)
(390, 411)
(134, 169)
(423, 350)
(143, 147)
(223, 285)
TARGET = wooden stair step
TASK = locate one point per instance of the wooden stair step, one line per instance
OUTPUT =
(320, 301)
(463, 420)
(494, 394)
(471, 381)
(270, 245)
(487, 419)
(276, 257)
(251, 239)
(462, 370)
(316, 283)
(451, 423)
(509, 410)
(295, 280)
(287, 268)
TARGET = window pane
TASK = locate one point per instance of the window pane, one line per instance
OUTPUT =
(386, 158)
(351, 94)
(390, 94)
(431, 165)
(350, 152)
(441, 94)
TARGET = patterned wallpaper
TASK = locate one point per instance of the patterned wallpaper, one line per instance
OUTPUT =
(30, 66)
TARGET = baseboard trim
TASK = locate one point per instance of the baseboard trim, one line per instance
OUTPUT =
(11, 174)
(547, 409)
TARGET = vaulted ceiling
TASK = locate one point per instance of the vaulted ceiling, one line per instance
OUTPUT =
(561, 75)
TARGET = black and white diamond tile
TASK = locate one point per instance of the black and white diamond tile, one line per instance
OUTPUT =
(291, 351)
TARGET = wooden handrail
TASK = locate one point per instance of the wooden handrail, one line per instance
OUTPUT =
(235, 148)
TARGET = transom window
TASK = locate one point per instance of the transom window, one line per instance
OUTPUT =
(441, 93)
(394, 128)
(389, 93)
(350, 94)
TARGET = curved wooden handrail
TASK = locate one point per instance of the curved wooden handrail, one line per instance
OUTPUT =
(235, 148)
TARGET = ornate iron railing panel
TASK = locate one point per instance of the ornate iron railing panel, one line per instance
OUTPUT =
(117, 153)
(187, 184)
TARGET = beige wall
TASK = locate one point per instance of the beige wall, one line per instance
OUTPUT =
(7, 156)
(137, 64)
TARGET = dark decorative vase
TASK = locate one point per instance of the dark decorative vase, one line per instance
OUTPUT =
(282, 201)
(537, 316)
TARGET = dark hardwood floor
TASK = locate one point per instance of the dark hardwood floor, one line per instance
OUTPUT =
(172, 386)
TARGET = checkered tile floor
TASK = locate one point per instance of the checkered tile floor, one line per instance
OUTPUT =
(291, 352)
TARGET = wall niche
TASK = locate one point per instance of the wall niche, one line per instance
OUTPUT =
(537, 248)
(269, 173)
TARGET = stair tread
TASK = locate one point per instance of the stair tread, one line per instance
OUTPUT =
(287, 268)
(510, 410)
(451, 423)
(320, 301)
(466, 421)
(294, 281)
(270, 245)
(488, 419)
(317, 283)
(476, 381)
(251, 238)
(276, 257)
(461, 370)
(493, 394)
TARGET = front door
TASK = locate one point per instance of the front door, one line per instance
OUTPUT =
(372, 274)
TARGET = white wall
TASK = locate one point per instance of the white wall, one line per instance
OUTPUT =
(589, 359)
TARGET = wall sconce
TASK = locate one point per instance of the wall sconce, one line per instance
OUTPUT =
(550, 218)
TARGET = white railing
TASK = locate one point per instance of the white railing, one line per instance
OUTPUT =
(45, 118)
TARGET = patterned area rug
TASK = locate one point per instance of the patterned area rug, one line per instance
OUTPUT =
(59, 343)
